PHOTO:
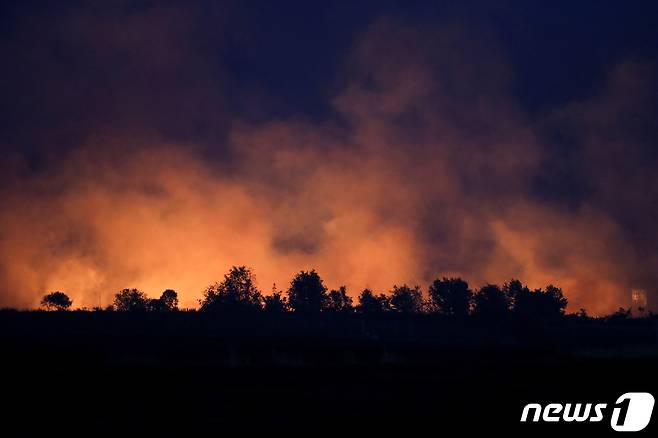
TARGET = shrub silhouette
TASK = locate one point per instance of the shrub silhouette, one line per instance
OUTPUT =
(407, 300)
(582, 313)
(339, 301)
(620, 314)
(236, 292)
(56, 301)
(450, 296)
(131, 300)
(370, 303)
(307, 293)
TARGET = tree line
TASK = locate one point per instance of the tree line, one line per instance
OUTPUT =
(307, 294)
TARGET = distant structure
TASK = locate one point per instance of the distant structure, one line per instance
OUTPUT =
(639, 302)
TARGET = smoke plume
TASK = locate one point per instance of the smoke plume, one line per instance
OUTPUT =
(139, 166)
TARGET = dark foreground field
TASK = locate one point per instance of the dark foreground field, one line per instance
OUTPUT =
(186, 372)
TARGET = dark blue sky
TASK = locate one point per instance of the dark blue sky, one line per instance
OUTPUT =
(559, 50)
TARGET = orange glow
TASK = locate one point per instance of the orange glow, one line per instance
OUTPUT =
(421, 180)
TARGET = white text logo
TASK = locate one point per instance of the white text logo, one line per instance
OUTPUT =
(631, 412)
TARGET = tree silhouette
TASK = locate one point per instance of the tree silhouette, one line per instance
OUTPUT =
(405, 299)
(553, 301)
(170, 299)
(370, 303)
(131, 300)
(450, 296)
(167, 302)
(512, 290)
(307, 292)
(56, 301)
(527, 304)
(491, 303)
(237, 291)
(339, 301)
(275, 302)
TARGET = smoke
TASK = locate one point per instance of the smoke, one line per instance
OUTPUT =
(145, 176)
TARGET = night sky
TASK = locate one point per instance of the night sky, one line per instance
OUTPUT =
(156, 144)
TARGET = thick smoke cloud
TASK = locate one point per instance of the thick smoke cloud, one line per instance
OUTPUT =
(132, 165)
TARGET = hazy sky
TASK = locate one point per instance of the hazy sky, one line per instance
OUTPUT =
(155, 144)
